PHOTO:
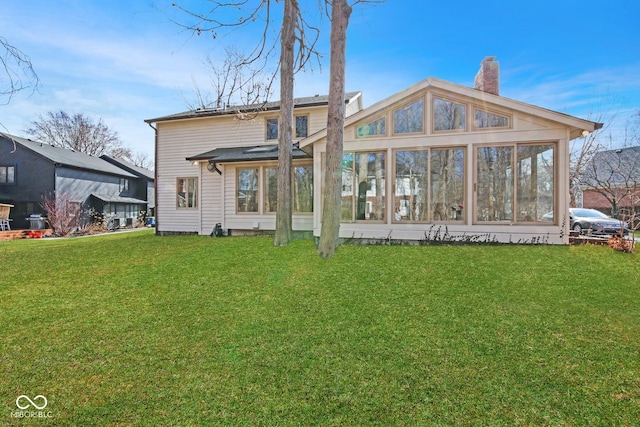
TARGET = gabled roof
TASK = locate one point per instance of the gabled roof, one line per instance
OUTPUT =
(614, 167)
(129, 167)
(308, 101)
(242, 154)
(65, 157)
(577, 125)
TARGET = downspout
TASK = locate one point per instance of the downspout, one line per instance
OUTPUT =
(155, 173)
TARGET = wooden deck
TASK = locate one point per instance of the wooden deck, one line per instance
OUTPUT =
(24, 234)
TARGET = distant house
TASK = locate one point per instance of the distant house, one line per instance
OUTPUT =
(611, 182)
(32, 170)
(436, 160)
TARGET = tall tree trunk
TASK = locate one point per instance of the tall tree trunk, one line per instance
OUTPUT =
(330, 221)
(284, 227)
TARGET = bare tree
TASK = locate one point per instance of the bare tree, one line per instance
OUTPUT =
(235, 85)
(64, 216)
(330, 232)
(615, 175)
(78, 132)
(17, 72)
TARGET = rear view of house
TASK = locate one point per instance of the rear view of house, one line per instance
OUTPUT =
(436, 160)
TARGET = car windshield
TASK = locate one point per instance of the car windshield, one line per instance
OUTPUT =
(588, 213)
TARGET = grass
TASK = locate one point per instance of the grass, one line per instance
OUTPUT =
(134, 329)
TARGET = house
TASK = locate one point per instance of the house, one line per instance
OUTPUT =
(30, 171)
(611, 182)
(145, 182)
(435, 161)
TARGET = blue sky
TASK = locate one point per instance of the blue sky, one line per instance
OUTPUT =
(124, 61)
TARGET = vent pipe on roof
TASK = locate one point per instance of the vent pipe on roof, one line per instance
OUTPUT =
(488, 77)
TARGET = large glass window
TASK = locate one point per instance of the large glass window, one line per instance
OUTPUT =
(429, 185)
(7, 174)
(303, 189)
(410, 118)
(187, 193)
(302, 183)
(535, 182)
(449, 115)
(412, 177)
(447, 184)
(363, 182)
(515, 183)
(376, 127)
(247, 194)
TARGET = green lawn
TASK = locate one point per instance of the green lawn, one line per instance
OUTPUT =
(134, 329)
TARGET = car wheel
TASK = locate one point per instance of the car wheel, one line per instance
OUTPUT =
(577, 228)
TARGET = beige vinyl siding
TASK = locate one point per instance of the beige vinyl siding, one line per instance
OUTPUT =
(180, 139)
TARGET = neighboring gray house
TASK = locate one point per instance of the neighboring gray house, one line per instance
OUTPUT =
(31, 170)
(611, 182)
(145, 188)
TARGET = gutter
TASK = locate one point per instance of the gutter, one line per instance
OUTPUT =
(155, 173)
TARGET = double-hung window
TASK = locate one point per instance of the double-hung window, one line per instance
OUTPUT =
(7, 174)
(300, 123)
(187, 192)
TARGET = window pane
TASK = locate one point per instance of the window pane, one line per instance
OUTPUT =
(247, 186)
(370, 176)
(485, 119)
(376, 127)
(346, 211)
(271, 192)
(192, 194)
(272, 128)
(495, 184)
(11, 175)
(535, 181)
(301, 126)
(409, 118)
(303, 189)
(187, 192)
(410, 198)
(447, 184)
(3, 174)
(449, 115)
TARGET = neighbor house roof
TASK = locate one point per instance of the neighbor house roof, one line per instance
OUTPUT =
(577, 125)
(71, 158)
(129, 167)
(242, 154)
(614, 167)
(118, 199)
(308, 101)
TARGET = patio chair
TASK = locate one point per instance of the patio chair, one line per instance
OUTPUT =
(4, 217)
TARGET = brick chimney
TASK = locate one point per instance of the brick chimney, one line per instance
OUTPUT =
(488, 77)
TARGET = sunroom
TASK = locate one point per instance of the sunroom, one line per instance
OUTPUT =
(440, 161)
